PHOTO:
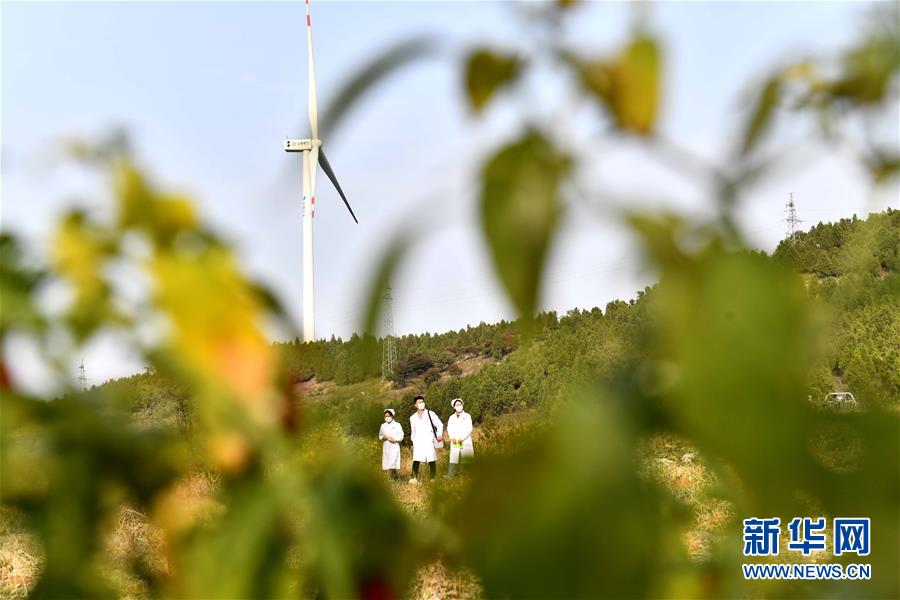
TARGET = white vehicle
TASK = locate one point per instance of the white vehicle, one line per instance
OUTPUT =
(841, 400)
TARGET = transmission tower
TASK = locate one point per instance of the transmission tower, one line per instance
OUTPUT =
(82, 378)
(792, 220)
(389, 347)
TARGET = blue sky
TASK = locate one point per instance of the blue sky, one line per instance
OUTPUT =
(209, 90)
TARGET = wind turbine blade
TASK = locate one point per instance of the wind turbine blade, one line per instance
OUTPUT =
(313, 108)
(326, 166)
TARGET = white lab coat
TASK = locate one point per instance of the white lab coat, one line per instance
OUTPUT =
(422, 435)
(459, 427)
(390, 453)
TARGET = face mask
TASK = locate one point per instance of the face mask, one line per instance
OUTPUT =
(420, 405)
(388, 419)
(458, 409)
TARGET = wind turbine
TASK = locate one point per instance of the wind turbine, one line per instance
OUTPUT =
(313, 156)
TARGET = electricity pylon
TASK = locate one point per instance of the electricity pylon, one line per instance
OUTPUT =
(388, 348)
(793, 222)
(82, 378)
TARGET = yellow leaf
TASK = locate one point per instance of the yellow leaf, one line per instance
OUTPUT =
(79, 252)
(636, 86)
(628, 86)
(142, 207)
(216, 327)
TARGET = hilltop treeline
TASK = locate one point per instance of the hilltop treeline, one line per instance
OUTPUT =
(850, 266)
(426, 354)
(823, 250)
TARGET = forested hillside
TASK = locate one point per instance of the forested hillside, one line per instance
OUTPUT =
(850, 266)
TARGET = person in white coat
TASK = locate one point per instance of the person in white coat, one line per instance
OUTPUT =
(392, 433)
(459, 430)
(427, 433)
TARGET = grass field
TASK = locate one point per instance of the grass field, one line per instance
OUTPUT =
(133, 538)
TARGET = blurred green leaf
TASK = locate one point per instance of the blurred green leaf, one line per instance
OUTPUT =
(366, 546)
(486, 72)
(869, 68)
(762, 114)
(883, 166)
(244, 553)
(520, 209)
(17, 284)
(382, 279)
(81, 463)
(564, 515)
(374, 306)
(629, 86)
(738, 332)
(367, 77)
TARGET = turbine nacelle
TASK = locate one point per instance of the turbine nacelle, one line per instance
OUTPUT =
(307, 145)
(301, 145)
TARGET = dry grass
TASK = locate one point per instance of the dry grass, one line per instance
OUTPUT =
(20, 556)
(677, 468)
(436, 582)
(133, 543)
(135, 539)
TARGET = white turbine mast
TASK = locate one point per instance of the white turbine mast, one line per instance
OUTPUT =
(313, 156)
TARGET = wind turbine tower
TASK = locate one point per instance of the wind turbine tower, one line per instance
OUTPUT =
(313, 156)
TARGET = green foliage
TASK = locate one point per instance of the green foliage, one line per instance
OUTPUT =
(517, 537)
(855, 268)
(486, 72)
(821, 250)
(584, 345)
(410, 366)
(861, 79)
(761, 117)
(520, 207)
(869, 68)
(17, 283)
(211, 402)
(68, 469)
(724, 358)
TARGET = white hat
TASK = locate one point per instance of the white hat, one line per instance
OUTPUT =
(390, 410)
(454, 401)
